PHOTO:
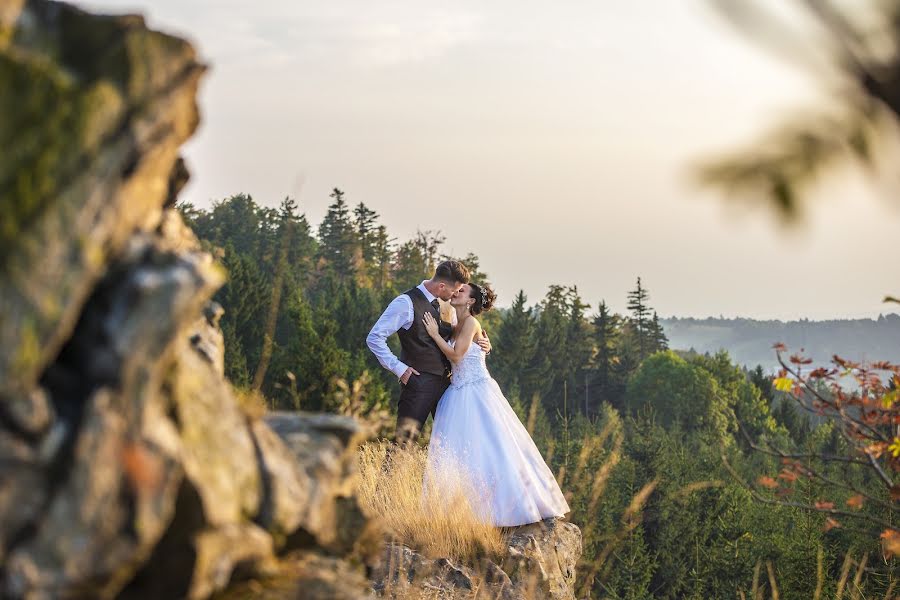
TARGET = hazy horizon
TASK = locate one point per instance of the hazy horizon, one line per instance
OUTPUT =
(553, 141)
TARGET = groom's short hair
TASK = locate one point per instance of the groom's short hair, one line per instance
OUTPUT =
(452, 271)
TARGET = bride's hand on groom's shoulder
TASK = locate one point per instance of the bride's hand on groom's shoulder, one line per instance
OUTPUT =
(431, 324)
(484, 342)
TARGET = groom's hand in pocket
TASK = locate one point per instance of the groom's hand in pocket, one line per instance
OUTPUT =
(409, 372)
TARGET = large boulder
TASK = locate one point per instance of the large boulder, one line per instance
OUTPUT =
(539, 562)
(542, 557)
(129, 467)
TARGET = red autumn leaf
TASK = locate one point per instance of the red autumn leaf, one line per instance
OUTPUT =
(855, 501)
(895, 492)
(821, 505)
(830, 524)
(890, 541)
(788, 476)
(766, 481)
(876, 449)
(799, 359)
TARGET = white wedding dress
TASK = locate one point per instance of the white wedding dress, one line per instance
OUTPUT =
(477, 438)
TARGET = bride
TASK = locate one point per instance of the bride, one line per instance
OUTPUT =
(475, 430)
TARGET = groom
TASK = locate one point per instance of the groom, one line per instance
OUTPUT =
(422, 368)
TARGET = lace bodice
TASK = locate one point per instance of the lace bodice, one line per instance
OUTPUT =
(471, 368)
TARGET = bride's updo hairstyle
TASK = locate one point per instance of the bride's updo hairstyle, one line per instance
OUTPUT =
(484, 298)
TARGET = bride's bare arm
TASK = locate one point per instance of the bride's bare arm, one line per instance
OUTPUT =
(481, 338)
(463, 339)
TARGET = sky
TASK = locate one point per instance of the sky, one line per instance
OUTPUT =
(554, 140)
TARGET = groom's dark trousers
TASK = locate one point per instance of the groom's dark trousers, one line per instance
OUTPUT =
(418, 398)
(420, 395)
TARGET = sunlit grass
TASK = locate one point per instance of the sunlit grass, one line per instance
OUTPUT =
(391, 487)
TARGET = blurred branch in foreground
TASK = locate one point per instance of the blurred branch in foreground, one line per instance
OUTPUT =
(861, 71)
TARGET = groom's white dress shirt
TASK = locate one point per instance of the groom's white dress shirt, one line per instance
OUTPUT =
(399, 313)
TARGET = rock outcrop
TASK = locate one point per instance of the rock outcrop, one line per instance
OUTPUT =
(129, 468)
(540, 562)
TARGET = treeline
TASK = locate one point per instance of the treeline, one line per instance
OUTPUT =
(638, 434)
(299, 302)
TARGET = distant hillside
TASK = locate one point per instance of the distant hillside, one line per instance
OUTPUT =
(749, 342)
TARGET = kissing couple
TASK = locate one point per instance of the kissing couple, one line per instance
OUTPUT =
(443, 373)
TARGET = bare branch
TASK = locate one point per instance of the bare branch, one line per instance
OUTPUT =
(782, 454)
(847, 418)
(815, 474)
(809, 507)
(884, 476)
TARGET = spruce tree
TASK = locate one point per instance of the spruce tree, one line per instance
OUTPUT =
(338, 238)
(410, 265)
(515, 344)
(579, 349)
(605, 337)
(473, 263)
(365, 222)
(429, 242)
(382, 257)
(640, 317)
(657, 337)
(286, 232)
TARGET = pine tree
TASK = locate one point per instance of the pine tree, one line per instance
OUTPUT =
(286, 234)
(428, 243)
(243, 299)
(410, 265)
(515, 344)
(365, 222)
(236, 221)
(606, 335)
(548, 367)
(473, 263)
(338, 239)
(302, 246)
(382, 257)
(305, 371)
(640, 317)
(579, 349)
(656, 335)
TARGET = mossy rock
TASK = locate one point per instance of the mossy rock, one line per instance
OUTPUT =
(69, 80)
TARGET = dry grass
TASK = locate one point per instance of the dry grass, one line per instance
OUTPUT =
(391, 486)
(251, 402)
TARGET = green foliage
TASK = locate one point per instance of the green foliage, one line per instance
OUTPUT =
(339, 244)
(743, 397)
(677, 392)
(515, 337)
(640, 318)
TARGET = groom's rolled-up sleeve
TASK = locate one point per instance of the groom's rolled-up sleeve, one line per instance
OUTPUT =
(395, 316)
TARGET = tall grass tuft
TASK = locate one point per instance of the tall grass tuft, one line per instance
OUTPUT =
(391, 486)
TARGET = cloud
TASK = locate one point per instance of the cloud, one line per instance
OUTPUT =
(341, 32)
(411, 38)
